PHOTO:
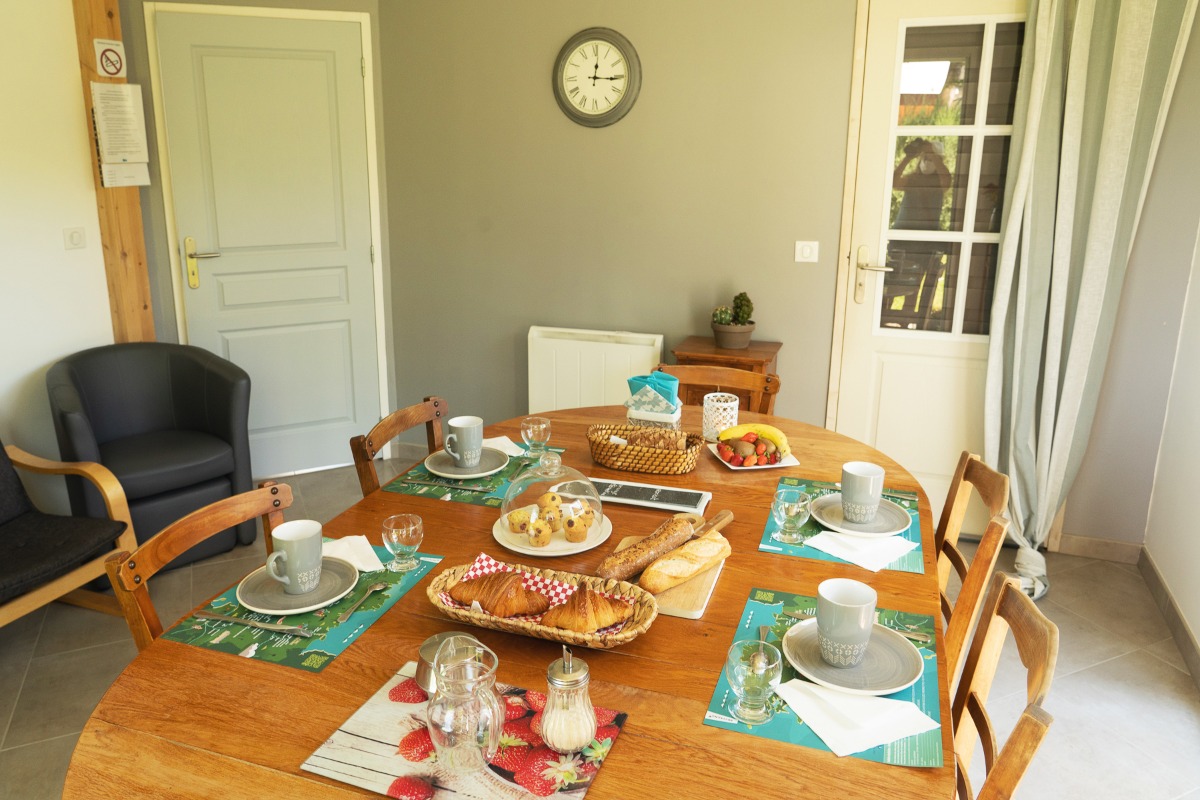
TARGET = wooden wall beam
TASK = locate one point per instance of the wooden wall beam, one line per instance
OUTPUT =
(120, 210)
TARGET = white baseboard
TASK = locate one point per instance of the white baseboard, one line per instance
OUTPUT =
(1185, 639)
(1103, 549)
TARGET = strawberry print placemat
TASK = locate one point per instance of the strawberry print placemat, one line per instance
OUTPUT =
(385, 747)
(912, 561)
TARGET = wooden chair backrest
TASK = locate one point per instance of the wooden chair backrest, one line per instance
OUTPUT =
(761, 388)
(130, 573)
(959, 616)
(1007, 608)
(365, 448)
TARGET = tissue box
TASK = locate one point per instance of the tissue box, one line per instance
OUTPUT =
(655, 419)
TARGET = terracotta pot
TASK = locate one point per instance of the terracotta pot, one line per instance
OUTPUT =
(733, 337)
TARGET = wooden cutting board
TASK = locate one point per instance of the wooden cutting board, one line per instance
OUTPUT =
(690, 598)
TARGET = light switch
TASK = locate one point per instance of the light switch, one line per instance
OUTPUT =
(807, 252)
(74, 239)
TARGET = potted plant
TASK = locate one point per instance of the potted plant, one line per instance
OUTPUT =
(732, 327)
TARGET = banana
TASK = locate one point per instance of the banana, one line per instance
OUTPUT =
(768, 432)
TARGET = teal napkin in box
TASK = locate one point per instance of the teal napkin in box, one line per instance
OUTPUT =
(658, 392)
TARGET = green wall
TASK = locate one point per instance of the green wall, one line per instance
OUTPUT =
(504, 214)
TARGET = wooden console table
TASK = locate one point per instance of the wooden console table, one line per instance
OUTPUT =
(760, 357)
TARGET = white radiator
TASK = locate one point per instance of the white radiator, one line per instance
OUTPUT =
(572, 367)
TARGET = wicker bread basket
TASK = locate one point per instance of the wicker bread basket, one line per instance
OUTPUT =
(634, 458)
(645, 609)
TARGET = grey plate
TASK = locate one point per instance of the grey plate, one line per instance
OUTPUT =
(259, 592)
(491, 461)
(890, 520)
(892, 663)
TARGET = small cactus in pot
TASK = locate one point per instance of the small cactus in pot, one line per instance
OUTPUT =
(732, 326)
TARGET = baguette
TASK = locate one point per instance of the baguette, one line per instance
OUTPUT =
(624, 564)
(685, 562)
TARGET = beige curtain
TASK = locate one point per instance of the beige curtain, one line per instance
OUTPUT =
(1095, 85)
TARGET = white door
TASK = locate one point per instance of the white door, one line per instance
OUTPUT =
(936, 120)
(267, 150)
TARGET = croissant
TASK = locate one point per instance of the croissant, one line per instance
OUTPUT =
(500, 594)
(586, 611)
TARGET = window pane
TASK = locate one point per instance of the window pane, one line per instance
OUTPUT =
(929, 183)
(1006, 61)
(978, 312)
(991, 184)
(940, 76)
(918, 295)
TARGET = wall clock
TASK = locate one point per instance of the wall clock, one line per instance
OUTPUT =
(597, 77)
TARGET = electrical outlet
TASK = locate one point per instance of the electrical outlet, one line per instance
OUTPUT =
(74, 239)
(807, 252)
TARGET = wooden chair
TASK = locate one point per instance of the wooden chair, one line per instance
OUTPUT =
(1007, 608)
(760, 389)
(365, 448)
(130, 573)
(960, 616)
(49, 557)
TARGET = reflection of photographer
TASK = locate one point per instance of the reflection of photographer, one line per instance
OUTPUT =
(924, 187)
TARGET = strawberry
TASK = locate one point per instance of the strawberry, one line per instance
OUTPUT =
(750, 460)
(545, 772)
(407, 691)
(587, 770)
(604, 716)
(535, 723)
(536, 700)
(514, 707)
(511, 758)
(760, 447)
(521, 731)
(750, 437)
(607, 732)
(735, 460)
(416, 745)
(406, 787)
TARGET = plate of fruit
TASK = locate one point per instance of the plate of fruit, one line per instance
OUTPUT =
(753, 446)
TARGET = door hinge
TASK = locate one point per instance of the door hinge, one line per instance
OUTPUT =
(363, 64)
(372, 254)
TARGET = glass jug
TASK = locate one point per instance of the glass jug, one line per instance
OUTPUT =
(466, 714)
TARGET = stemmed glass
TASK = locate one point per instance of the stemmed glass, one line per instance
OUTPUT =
(753, 669)
(791, 510)
(402, 535)
(536, 432)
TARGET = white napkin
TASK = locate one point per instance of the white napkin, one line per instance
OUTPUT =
(504, 445)
(355, 549)
(872, 554)
(851, 723)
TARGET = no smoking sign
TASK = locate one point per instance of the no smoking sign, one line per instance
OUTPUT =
(110, 58)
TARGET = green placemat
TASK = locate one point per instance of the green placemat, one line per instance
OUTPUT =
(329, 640)
(766, 607)
(912, 561)
(487, 491)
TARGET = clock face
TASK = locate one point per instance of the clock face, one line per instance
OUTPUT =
(594, 77)
(597, 77)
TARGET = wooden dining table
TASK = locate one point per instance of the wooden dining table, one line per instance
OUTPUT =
(187, 722)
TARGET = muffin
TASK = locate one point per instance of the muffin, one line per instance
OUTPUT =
(553, 517)
(550, 499)
(539, 533)
(518, 521)
(575, 529)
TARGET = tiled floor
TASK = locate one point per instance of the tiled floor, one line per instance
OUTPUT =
(1127, 714)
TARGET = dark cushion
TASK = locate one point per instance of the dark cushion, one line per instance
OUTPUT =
(13, 500)
(40, 547)
(150, 463)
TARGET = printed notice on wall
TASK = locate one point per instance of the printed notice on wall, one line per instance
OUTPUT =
(120, 124)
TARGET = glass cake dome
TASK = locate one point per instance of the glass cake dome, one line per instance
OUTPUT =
(550, 501)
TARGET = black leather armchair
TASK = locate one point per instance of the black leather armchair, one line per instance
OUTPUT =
(169, 420)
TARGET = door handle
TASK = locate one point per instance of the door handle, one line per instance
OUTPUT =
(190, 256)
(860, 280)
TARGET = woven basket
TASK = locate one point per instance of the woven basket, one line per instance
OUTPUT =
(645, 609)
(634, 458)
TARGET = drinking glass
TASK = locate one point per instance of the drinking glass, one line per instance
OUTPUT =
(791, 511)
(536, 432)
(753, 669)
(402, 535)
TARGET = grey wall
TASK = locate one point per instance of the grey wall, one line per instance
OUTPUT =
(505, 214)
(1129, 419)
